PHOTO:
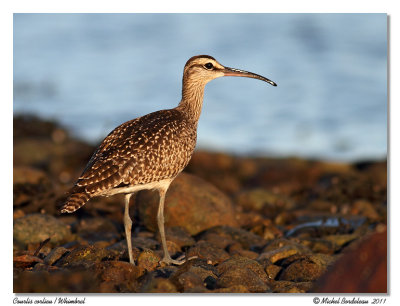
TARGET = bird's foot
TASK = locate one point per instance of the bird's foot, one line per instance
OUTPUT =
(179, 261)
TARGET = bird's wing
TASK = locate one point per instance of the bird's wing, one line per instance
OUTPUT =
(121, 157)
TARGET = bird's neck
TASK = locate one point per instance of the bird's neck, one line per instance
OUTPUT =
(192, 100)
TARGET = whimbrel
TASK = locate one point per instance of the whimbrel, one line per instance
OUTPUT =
(150, 151)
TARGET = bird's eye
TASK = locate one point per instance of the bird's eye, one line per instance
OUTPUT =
(209, 66)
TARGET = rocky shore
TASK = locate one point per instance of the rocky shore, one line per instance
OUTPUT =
(256, 225)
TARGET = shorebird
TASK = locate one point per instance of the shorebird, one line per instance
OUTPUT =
(150, 151)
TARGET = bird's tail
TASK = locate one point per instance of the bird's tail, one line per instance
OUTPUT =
(75, 201)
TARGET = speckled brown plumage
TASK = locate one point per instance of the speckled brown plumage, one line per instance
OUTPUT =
(147, 149)
(150, 151)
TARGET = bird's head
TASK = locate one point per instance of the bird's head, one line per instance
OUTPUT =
(201, 69)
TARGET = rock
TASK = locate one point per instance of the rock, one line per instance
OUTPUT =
(119, 273)
(206, 250)
(272, 271)
(245, 253)
(191, 203)
(302, 270)
(246, 239)
(282, 253)
(178, 235)
(233, 289)
(26, 261)
(189, 281)
(361, 269)
(97, 229)
(265, 201)
(29, 175)
(242, 276)
(290, 287)
(60, 282)
(243, 263)
(153, 284)
(204, 272)
(365, 208)
(148, 260)
(120, 250)
(54, 255)
(35, 228)
(84, 256)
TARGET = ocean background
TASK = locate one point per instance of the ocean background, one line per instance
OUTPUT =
(92, 72)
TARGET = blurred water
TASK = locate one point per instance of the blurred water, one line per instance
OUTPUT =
(94, 71)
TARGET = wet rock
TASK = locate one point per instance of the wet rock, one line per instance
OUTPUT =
(206, 250)
(361, 269)
(148, 260)
(54, 255)
(245, 238)
(35, 228)
(191, 203)
(242, 276)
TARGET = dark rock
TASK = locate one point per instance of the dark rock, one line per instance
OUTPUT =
(302, 270)
(36, 228)
(97, 229)
(191, 203)
(206, 250)
(153, 284)
(122, 275)
(246, 239)
(178, 235)
(58, 282)
(242, 276)
(189, 280)
(242, 262)
(361, 269)
(210, 282)
(54, 255)
(290, 287)
(84, 256)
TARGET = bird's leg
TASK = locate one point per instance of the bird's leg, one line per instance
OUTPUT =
(160, 220)
(128, 227)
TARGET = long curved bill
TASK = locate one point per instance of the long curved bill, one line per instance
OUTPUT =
(242, 73)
